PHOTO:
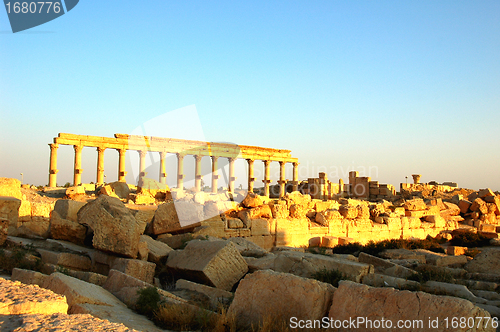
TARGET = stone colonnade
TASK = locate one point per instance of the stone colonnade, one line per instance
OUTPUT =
(182, 148)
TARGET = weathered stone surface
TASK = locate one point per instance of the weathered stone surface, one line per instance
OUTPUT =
(28, 277)
(217, 296)
(261, 263)
(349, 211)
(464, 206)
(456, 251)
(68, 209)
(415, 204)
(9, 209)
(116, 189)
(356, 300)
(152, 188)
(17, 299)
(136, 268)
(73, 261)
(385, 267)
(214, 263)
(252, 200)
(114, 227)
(382, 280)
(442, 259)
(157, 249)
(165, 219)
(246, 247)
(59, 323)
(175, 241)
(65, 229)
(451, 290)
(402, 254)
(10, 187)
(485, 262)
(306, 264)
(479, 205)
(291, 296)
(75, 191)
(329, 216)
(189, 212)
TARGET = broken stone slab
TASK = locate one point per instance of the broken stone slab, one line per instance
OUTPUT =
(10, 187)
(213, 263)
(125, 288)
(381, 280)
(306, 264)
(116, 189)
(73, 261)
(28, 277)
(64, 229)
(216, 296)
(383, 266)
(136, 268)
(177, 241)
(488, 295)
(416, 204)
(477, 284)
(248, 248)
(68, 209)
(4, 229)
(114, 227)
(444, 288)
(157, 250)
(9, 209)
(252, 200)
(439, 259)
(402, 254)
(493, 310)
(357, 300)
(291, 296)
(260, 263)
(165, 219)
(17, 298)
(485, 262)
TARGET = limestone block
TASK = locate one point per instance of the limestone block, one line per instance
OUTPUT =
(152, 188)
(136, 268)
(292, 296)
(485, 192)
(393, 223)
(297, 198)
(75, 191)
(189, 212)
(280, 211)
(442, 259)
(252, 200)
(116, 189)
(382, 280)
(485, 262)
(217, 296)
(451, 210)
(9, 209)
(464, 206)
(65, 229)
(165, 219)
(18, 299)
(68, 209)
(488, 228)
(261, 263)
(215, 228)
(234, 223)
(157, 250)
(25, 211)
(478, 205)
(415, 204)
(438, 221)
(216, 263)
(298, 211)
(456, 251)
(349, 211)
(322, 206)
(114, 227)
(329, 241)
(356, 300)
(451, 290)
(402, 254)
(249, 246)
(385, 267)
(142, 199)
(324, 218)
(143, 251)
(345, 240)
(10, 187)
(260, 227)
(28, 277)
(306, 264)
(73, 261)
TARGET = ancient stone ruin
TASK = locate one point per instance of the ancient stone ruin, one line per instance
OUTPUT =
(317, 251)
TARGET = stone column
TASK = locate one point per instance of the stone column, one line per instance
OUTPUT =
(232, 178)
(215, 175)
(180, 171)
(282, 181)
(100, 166)
(416, 178)
(197, 172)
(251, 178)
(163, 171)
(77, 179)
(121, 165)
(267, 177)
(53, 165)
(142, 165)
(295, 176)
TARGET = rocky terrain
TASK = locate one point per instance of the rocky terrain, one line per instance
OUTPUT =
(105, 262)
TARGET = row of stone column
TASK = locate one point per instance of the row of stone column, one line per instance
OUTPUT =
(77, 179)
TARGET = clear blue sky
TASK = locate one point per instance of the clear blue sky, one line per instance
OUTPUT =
(400, 87)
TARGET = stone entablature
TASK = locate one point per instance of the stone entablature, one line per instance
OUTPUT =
(182, 148)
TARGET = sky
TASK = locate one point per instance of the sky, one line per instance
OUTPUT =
(388, 88)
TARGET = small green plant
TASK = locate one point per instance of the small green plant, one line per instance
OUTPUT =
(329, 276)
(63, 270)
(424, 274)
(472, 252)
(317, 250)
(148, 301)
(469, 239)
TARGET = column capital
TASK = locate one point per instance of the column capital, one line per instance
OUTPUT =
(142, 153)
(197, 157)
(295, 164)
(231, 159)
(53, 146)
(266, 162)
(122, 150)
(180, 155)
(214, 158)
(78, 148)
(163, 154)
(250, 161)
(282, 162)
(100, 149)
